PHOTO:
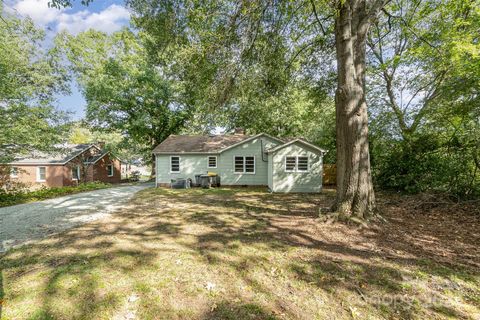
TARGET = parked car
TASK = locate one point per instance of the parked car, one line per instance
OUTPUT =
(135, 176)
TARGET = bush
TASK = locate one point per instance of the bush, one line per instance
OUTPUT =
(8, 198)
(426, 165)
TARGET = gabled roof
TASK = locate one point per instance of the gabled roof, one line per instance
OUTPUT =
(94, 159)
(64, 154)
(193, 144)
(254, 137)
(199, 143)
(297, 140)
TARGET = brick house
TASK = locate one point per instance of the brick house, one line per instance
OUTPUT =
(70, 166)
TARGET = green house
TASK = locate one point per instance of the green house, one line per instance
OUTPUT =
(242, 160)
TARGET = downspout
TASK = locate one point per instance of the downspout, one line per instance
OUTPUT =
(270, 164)
(156, 171)
(261, 144)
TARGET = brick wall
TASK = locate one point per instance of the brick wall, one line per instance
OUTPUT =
(100, 170)
(61, 175)
(27, 174)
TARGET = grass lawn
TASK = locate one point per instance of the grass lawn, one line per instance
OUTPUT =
(248, 254)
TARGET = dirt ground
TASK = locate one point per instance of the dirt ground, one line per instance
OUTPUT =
(249, 254)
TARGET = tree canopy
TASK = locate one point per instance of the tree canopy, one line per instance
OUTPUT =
(273, 67)
(124, 92)
(30, 78)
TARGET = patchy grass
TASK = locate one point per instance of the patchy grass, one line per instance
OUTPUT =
(247, 254)
(20, 196)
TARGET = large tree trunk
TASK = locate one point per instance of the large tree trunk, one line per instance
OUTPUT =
(355, 196)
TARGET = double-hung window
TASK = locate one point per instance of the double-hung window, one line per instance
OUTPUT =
(212, 161)
(14, 172)
(174, 164)
(302, 164)
(290, 164)
(41, 174)
(110, 170)
(244, 164)
(76, 173)
(296, 164)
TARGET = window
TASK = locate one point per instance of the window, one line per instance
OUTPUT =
(296, 164)
(212, 162)
(244, 164)
(14, 172)
(110, 170)
(76, 173)
(249, 164)
(302, 164)
(174, 164)
(290, 164)
(238, 164)
(41, 174)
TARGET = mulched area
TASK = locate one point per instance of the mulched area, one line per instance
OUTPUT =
(422, 227)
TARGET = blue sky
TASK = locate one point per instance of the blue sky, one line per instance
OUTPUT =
(106, 16)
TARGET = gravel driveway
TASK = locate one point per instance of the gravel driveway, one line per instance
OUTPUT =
(25, 222)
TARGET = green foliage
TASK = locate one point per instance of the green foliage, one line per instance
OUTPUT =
(125, 93)
(60, 4)
(21, 196)
(30, 77)
(424, 94)
(245, 64)
(114, 141)
(269, 67)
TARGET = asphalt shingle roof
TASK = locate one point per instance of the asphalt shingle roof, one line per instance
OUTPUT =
(64, 154)
(199, 143)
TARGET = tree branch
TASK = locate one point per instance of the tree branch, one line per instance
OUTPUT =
(290, 62)
(409, 28)
(316, 17)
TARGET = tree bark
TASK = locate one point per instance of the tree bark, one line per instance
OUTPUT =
(355, 195)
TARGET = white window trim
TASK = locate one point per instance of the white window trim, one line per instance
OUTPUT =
(179, 164)
(296, 164)
(244, 165)
(38, 174)
(285, 162)
(108, 171)
(308, 164)
(78, 173)
(208, 162)
(13, 176)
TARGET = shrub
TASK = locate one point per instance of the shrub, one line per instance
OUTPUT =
(8, 198)
(426, 165)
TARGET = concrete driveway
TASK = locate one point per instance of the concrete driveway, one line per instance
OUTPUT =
(25, 222)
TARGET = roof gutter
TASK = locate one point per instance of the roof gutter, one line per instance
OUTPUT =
(224, 149)
(294, 141)
(56, 163)
(188, 152)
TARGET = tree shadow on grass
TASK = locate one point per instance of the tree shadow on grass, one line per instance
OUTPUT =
(344, 264)
(70, 262)
(233, 311)
(239, 229)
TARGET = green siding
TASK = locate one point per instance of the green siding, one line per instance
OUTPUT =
(270, 171)
(251, 148)
(310, 181)
(191, 164)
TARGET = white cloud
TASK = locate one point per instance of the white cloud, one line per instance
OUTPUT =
(38, 10)
(108, 20)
